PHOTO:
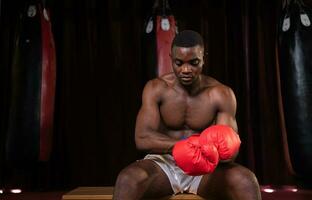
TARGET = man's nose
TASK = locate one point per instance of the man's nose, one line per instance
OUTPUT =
(186, 68)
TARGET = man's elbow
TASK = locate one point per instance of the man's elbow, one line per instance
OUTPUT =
(141, 144)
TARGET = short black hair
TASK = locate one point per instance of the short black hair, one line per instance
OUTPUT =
(187, 38)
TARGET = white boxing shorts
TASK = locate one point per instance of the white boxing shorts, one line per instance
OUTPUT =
(180, 182)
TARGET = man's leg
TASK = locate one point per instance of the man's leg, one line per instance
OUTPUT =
(142, 178)
(230, 181)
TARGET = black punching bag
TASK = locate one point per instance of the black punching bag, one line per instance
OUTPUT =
(29, 137)
(295, 58)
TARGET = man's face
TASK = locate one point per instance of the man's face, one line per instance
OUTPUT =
(187, 63)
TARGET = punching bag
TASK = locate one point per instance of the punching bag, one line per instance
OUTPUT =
(30, 128)
(295, 50)
(160, 31)
(149, 47)
(165, 33)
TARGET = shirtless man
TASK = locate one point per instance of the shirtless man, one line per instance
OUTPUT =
(174, 107)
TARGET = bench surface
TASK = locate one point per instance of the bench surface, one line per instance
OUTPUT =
(103, 193)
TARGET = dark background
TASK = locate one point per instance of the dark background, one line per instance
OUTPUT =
(100, 76)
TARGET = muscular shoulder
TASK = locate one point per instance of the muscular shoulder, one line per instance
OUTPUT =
(222, 95)
(161, 83)
(155, 88)
(223, 92)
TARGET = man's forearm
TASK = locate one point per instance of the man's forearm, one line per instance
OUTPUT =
(155, 142)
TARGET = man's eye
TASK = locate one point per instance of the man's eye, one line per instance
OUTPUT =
(194, 62)
(178, 62)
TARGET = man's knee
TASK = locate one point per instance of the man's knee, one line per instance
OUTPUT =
(241, 179)
(132, 176)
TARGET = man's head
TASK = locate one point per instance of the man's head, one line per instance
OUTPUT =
(187, 38)
(187, 52)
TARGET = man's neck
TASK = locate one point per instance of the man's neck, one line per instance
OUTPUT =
(194, 88)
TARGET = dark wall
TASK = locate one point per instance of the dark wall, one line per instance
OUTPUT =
(100, 76)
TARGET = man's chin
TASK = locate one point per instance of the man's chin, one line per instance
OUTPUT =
(186, 83)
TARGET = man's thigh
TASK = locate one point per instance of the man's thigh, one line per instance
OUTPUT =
(156, 183)
(211, 185)
(229, 181)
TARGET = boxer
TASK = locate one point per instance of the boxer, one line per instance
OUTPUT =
(187, 126)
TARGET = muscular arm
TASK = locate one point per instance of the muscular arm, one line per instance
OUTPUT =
(147, 135)
(226, 104)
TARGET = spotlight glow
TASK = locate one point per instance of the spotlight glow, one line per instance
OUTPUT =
(268, 190)
(1, 191)
(16, 191)
(291, 188)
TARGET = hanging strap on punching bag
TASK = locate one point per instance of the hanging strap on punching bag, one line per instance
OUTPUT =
(295, 66)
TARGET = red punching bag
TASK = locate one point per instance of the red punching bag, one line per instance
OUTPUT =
(160, 31)
(165, 33)
(48, 82)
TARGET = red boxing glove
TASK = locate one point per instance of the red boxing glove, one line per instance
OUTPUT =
(224, 138)
(195, 159)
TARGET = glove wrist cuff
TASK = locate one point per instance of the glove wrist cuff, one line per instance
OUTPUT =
(168, 150)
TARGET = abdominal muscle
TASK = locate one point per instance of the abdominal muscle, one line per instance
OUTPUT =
(181, 134)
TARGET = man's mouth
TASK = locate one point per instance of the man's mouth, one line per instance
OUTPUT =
(186, 78)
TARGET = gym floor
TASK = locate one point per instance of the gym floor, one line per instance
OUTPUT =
(268, 193)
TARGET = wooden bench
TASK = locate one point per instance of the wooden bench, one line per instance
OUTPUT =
(103, 193)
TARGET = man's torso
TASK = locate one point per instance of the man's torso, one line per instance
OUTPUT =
(183, 114)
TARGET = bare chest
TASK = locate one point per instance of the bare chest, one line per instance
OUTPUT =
(180, 111)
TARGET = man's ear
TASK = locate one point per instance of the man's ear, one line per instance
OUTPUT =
(205, 57)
